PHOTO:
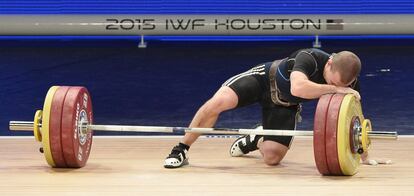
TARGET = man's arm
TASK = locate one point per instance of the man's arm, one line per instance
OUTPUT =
(302, 87)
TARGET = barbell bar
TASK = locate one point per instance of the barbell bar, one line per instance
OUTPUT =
(29, 126)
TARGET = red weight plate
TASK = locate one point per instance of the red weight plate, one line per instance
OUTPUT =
(76, 145)
(319, 134)
(331, 134)
(55, 126)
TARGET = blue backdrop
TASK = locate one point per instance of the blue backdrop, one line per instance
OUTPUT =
(165, 83)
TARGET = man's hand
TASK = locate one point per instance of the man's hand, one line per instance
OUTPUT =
(347, 90)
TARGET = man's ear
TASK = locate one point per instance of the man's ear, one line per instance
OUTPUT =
(328, 64)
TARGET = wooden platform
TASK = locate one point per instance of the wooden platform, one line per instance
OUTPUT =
(133, 166)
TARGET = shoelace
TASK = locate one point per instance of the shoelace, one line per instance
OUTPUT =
(175, 153)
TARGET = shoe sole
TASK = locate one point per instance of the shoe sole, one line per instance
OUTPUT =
(185, 162)
(231, 147)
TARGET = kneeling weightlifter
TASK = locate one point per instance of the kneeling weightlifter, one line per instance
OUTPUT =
(279, 86)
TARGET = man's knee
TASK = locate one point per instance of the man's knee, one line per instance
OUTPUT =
(273, 152)
(272, 158)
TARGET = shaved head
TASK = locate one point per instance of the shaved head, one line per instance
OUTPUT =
(347, 64)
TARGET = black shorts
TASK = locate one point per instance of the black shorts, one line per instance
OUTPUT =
(253, 86)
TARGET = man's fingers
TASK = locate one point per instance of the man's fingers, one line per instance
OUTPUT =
(358, 96)
(356, 93)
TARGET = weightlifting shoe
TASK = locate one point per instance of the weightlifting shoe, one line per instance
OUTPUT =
(177, 157)
(244, 145)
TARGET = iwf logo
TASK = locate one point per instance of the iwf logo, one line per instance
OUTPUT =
(211, 24)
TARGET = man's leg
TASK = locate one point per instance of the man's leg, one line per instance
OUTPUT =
(224, 99)
(274, 148)
(238, 91)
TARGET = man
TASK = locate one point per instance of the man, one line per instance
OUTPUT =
(279, 87)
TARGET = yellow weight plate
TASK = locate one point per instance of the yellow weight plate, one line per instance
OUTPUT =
(348, 161)
(366, 127)
(37, 120)
(45, 125)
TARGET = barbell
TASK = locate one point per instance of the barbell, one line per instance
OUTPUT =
(65, 129)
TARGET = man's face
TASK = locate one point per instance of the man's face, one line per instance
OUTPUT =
(333, 77)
